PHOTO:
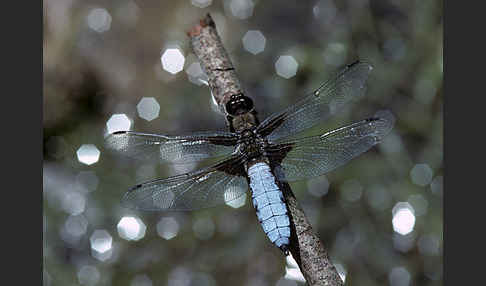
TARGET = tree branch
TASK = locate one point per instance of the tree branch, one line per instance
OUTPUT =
(305, 246)
(214, 60)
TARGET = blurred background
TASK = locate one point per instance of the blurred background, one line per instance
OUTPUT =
(127, 65)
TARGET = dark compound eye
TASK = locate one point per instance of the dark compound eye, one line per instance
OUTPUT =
(239, 104)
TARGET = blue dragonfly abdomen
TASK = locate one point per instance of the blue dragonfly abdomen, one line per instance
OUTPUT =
(269, 204)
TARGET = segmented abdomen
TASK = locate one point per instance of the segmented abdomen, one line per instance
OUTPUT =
(269, 204)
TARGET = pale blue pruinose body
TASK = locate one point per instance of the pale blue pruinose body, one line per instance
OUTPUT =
(269, 204)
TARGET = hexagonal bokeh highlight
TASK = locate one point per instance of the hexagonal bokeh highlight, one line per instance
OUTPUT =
(118, 122)
(196, 75)
(131, 228)
(88, 154)
(403, 218)
(167, 228)
(73, 203)
(148, 108)
(233, 202)
(254, 41)
(201, 3)
(101, 244)
(101, 240)
(76, 225)
(292, 271)
(286, 66)
(172, 60)
(241, 9)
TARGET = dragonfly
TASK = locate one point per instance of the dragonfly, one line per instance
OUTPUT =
(256, 156)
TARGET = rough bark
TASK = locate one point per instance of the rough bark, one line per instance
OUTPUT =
(214, 60)
(305, 246)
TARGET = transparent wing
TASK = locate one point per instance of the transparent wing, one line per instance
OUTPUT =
(319, 105)
(313, 156)
(205, 188)
(174, 149)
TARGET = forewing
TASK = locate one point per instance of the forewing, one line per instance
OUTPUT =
(314, 156)
(319, 105)
(174, 149)
(205, 188)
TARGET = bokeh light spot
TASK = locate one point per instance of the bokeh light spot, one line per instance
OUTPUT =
(73, 203)
(172, 60)
(131, 228)
(230, 200)
(118, 122)
(196, 75)
(76, 225)
(99, 20)
(88, 275)
(399, 276)
(318, 187)
(148, 108)
(292, 271)
(242, 9)
(201, 3)
(167, 228)
(88, 154)
(101, 241)
(403, 218)
(294, 274)
(421, 174)
(286, 66)
(254, 41)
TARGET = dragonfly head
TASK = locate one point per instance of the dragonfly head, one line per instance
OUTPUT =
(239, 104)
(240, 113)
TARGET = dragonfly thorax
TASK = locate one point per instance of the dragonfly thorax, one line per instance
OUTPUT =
(251, 144)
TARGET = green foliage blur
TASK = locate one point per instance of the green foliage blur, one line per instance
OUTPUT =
(91, 73)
